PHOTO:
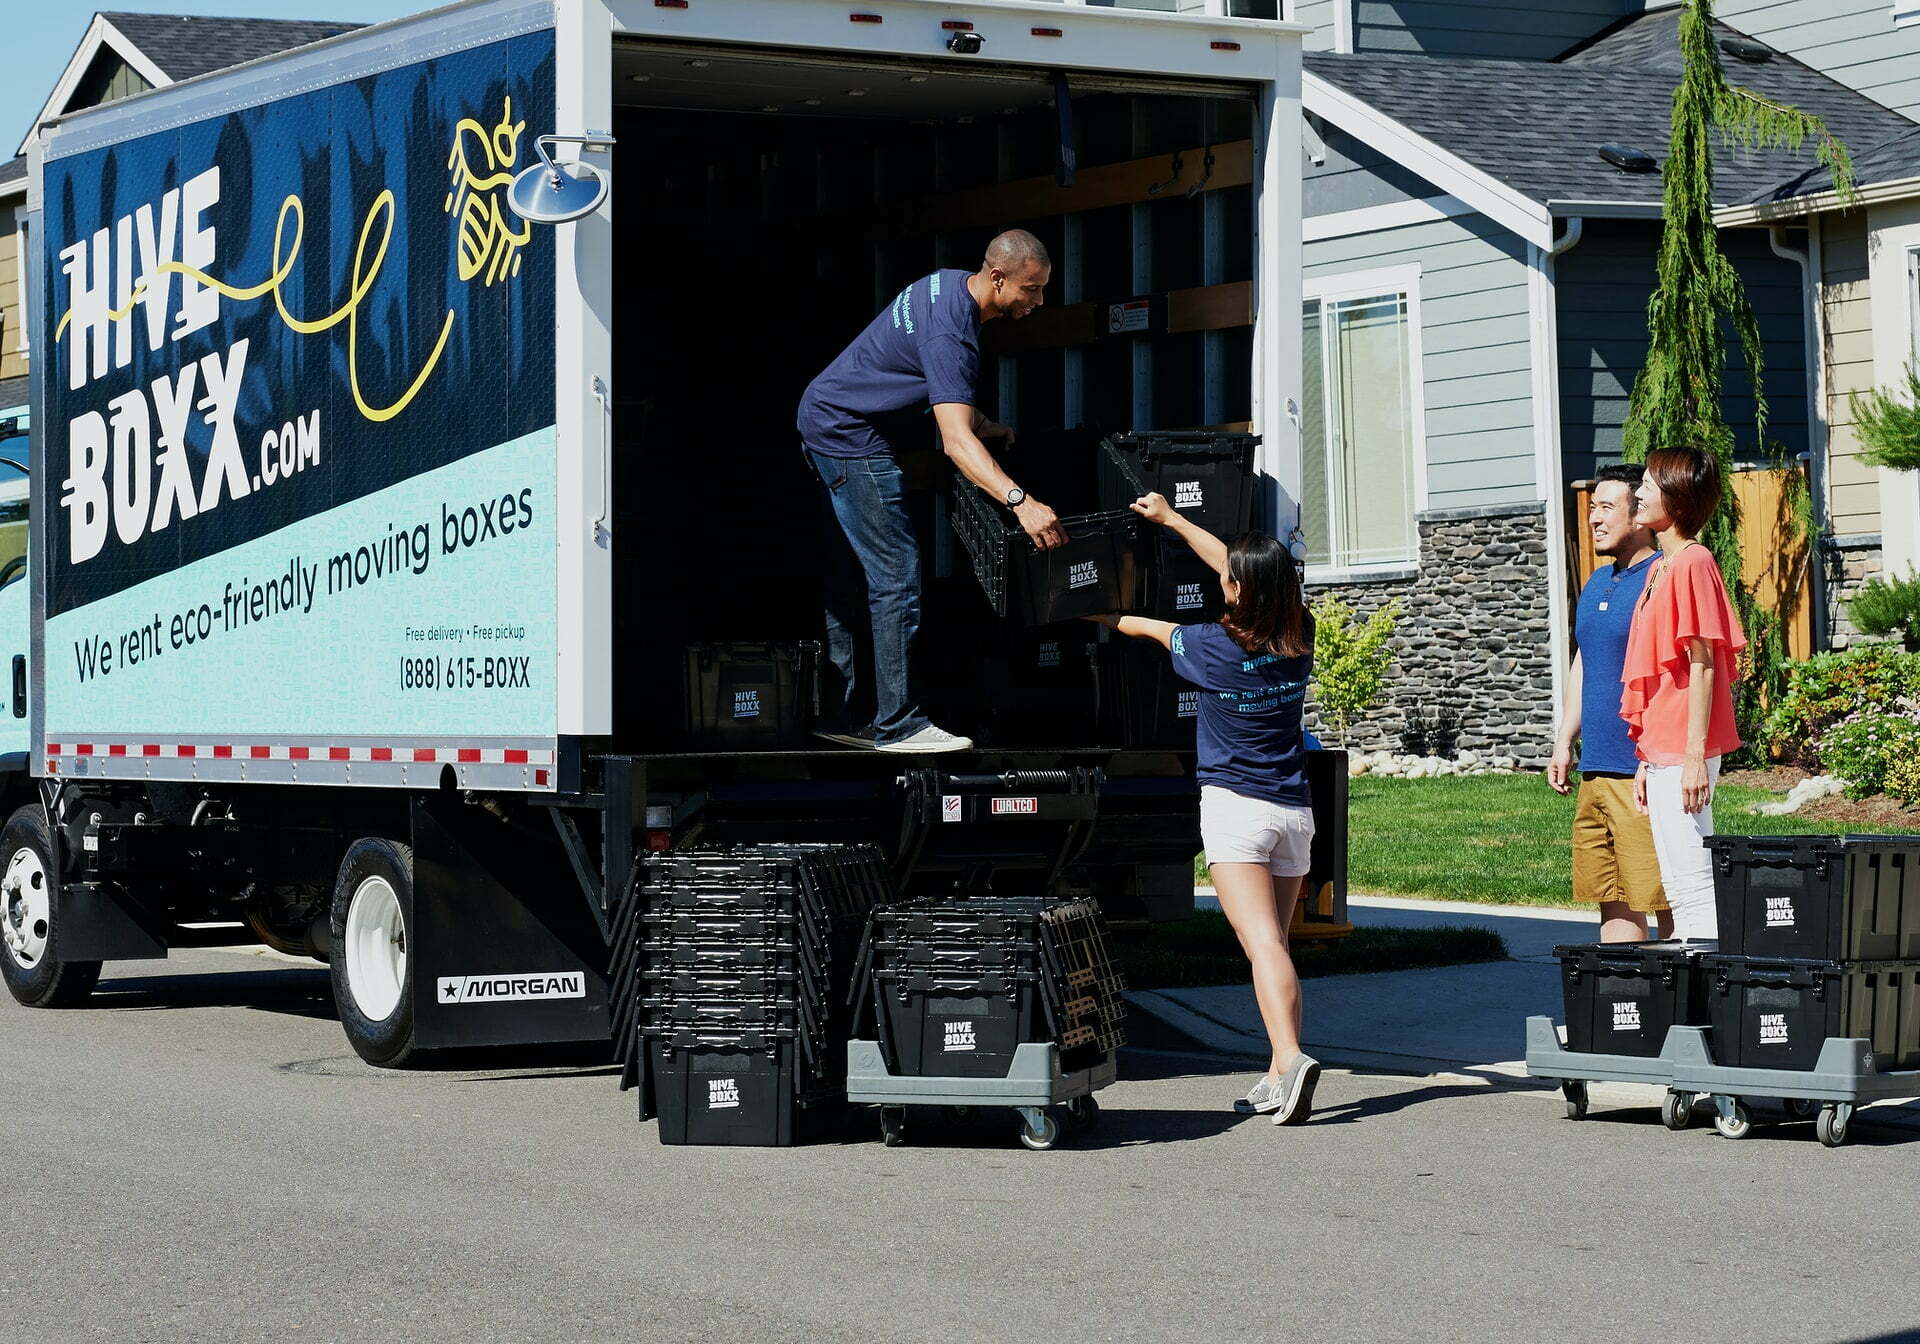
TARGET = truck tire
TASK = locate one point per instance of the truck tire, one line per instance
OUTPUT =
(29, 885)
(372, 961)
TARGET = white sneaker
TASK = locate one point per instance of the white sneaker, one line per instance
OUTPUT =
(929, 739)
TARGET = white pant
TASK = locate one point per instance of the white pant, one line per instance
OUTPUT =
(1686, 865)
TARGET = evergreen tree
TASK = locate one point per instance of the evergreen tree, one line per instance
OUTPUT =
(1676, 398)
(1890, 428)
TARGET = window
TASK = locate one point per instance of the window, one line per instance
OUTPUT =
(14, 445)
(1359, 428)
(1906, 13)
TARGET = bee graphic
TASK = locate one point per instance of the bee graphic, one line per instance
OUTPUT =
(488, 245)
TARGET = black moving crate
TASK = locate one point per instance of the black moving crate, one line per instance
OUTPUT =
(1621, 997)
(726, 1092)
(1038, 686)
(1096, 571)
(1818, 897)
(1143, 702)
(1179, 586)
(751, 696)
(1206, 475)
(1776, 1014)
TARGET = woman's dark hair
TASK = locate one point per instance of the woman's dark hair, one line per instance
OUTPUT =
(1270, 615)
(1689, 482)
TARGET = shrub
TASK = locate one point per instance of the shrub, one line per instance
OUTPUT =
(1350, 660)
(1829, 687)
(1890, 607)
(1863, 749)
(1903, 780)
(1434, 732)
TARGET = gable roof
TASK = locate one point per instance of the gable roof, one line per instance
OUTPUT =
(1889, 170)
(186, 45)
(1536, 127)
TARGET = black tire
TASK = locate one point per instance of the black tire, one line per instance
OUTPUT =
(47, 982)
(387, 1043)
(1574, 1091)
(1676, 1110)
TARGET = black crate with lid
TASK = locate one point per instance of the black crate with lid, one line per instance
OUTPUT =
(1205, 474)
(751, 696)
(1620, 998)
(1779, 1013)
(1096, 570)
(1818, 897)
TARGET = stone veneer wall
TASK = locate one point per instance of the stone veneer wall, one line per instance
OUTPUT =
(1850, 561)
(1472, 633)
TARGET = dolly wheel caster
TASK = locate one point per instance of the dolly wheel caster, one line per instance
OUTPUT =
(1083, 1113)
(1676, 1110)
(962, 1116)
(1042, 1136)
(893, 1125)
(1575, 1092)
(1832, 1124)
(1802, 1108)
(1734, 1121)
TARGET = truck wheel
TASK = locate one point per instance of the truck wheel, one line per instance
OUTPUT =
(28, 881)
(371, 964)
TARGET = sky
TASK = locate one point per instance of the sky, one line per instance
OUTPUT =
(43, 36)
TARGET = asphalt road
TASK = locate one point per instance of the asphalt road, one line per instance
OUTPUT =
(198, 1157)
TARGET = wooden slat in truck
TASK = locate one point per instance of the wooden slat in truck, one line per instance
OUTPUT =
(366, 511)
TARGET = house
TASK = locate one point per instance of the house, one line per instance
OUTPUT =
(1866, 277)
(1477, 280)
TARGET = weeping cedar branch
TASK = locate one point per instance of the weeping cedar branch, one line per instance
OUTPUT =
(1676, 398)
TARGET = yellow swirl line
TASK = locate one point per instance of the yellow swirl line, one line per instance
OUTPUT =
(349, 311)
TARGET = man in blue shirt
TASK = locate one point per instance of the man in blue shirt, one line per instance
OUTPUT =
(1614, 864)
(922, 351)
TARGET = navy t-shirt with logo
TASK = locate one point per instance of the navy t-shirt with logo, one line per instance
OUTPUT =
(923, 350)
(1601, 623)
(1249, 733)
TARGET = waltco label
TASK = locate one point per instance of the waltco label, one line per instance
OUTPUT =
(1015, 807)
(959, 1036)
(723, 1093)
(512, 988)
(1773, 1029)
(1780, 912)
(1626, 1016)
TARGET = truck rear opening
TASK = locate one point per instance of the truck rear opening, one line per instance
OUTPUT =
(767, 204)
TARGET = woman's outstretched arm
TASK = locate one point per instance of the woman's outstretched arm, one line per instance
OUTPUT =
(1211, 550)
(1138, 627)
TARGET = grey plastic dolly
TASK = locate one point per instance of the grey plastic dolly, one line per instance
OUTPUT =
(1547, 1058)
(1033, 1084)
(1842, 1079)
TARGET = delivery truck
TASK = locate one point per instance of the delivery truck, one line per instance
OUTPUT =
(407, 406)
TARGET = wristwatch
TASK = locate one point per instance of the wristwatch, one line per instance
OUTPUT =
(1016, 497)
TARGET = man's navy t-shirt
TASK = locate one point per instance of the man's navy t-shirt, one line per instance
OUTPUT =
(1249, 733)
(1600, 626)
(922, 351)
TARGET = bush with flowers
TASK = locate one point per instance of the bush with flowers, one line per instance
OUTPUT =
(1864, 748)
(1829, 688)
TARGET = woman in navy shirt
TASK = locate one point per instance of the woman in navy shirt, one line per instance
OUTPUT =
(1256, 815)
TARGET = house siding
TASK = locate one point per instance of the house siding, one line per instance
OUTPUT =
(1846, 316)
(1852, 41)
(1523, 30)
(1602, 287)
(1319, 13)
(13, 316)
(1356, 176)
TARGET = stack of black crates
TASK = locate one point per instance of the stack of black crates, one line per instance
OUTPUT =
(1819, 938)
(958, 984)
(733, 973)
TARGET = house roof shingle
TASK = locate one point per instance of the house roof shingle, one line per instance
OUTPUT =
(186, 45)
(1895, 160)
(1538, 126)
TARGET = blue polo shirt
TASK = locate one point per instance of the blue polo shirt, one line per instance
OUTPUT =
(1600, 625)
(922, 351)
(1248, 735)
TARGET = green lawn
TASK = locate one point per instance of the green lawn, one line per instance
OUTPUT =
(1495, 838)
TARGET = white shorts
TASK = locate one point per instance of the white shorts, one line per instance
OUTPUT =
(1238, 829)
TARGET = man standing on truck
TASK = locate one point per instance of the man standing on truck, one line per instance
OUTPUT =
(922, 351)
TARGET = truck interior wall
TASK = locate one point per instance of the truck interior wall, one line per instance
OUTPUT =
(749, 251)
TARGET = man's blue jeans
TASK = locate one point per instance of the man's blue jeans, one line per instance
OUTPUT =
(873, 598)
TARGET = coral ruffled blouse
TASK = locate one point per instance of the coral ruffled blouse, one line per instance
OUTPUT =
(1688, 601)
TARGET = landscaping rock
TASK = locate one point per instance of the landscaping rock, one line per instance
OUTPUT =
(1809, 790)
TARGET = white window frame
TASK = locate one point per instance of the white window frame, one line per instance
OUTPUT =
(1403, 280)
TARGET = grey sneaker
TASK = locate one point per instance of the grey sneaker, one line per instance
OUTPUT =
(1264, 1097)
(929, 739)
(863, 740)
(1296, 1091)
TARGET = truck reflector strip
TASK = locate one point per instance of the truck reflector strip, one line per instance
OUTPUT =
(1049, 32)
(864, 18)
(259, 752)
(956, 26)
(1225, 46)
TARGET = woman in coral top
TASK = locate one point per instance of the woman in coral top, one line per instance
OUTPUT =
(1677, 682)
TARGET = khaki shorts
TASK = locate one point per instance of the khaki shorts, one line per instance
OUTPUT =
(1613, 853)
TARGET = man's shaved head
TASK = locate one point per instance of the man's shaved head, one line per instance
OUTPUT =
(1016, 249)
